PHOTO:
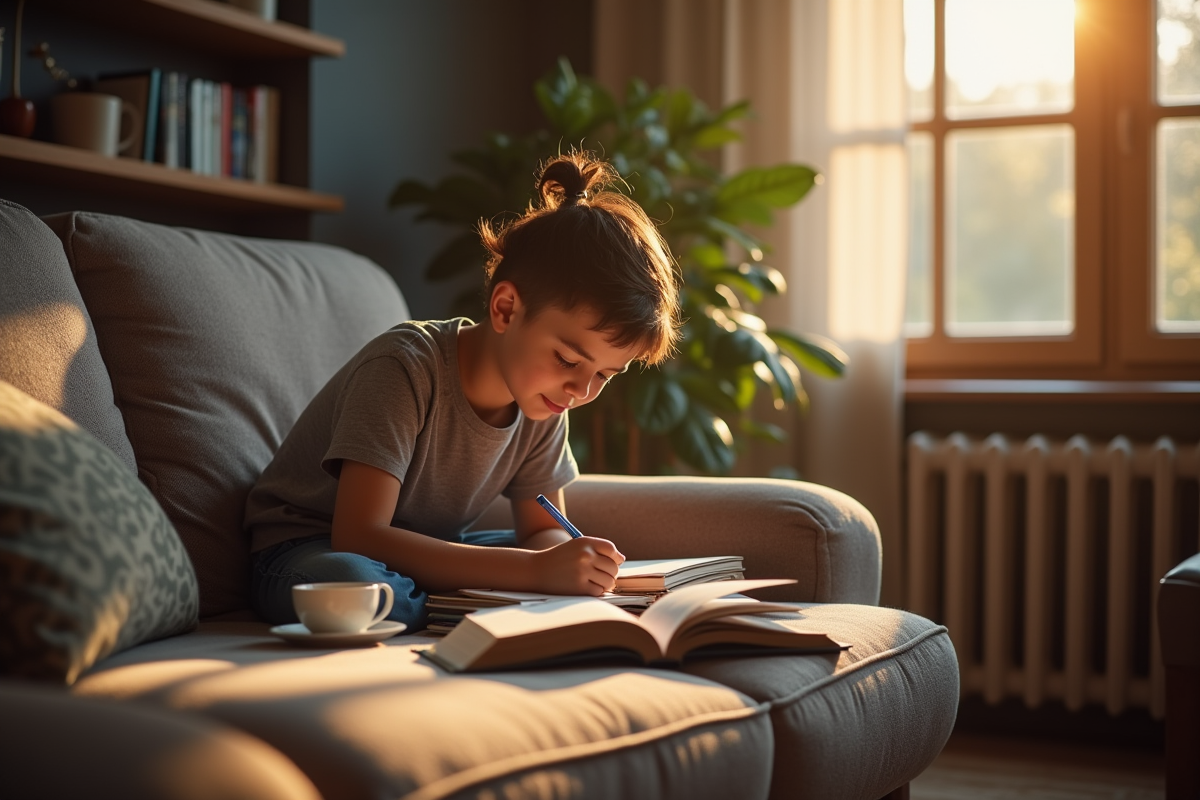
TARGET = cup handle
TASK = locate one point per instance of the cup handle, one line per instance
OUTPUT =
(387, 604)
(135, 124)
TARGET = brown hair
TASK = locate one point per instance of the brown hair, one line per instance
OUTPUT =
(585, 245)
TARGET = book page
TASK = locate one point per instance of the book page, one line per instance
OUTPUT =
(673, 611)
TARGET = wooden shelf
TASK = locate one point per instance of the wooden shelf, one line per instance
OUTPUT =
(26, 158)
(217, 27)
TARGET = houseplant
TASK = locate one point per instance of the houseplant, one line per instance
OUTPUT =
(697, 410)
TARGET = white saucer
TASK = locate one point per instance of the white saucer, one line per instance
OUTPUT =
(298, 634)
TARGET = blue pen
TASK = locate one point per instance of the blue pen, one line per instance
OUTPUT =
(558, 517)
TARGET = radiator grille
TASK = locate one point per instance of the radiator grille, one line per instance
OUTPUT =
(1042, 558)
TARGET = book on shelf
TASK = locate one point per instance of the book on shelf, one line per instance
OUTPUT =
(141, 89)
(702, 620)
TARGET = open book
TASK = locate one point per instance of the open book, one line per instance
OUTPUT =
(447, 609)
(693, 620)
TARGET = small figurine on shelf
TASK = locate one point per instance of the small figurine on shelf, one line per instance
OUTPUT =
(42, 51)
(16, 113)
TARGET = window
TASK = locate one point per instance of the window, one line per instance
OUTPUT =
(1054, 154)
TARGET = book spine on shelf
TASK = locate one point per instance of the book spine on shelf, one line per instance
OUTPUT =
(153, 102)
(271, 158)
(213, 158)
(226, 161)
(195, 117)
(238, 132)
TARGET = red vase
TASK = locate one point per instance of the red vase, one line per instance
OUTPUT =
(17, 117)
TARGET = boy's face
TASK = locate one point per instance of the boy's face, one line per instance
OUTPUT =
(555, 360)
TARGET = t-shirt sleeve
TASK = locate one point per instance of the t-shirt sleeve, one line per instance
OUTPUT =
(550, 464)
(377, 417)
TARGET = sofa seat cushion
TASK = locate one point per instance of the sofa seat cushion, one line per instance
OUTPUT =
(381, 722)
(859, 723)
(215, 344)
(55, 745)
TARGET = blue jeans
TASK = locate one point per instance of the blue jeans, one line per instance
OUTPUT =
(312, 560)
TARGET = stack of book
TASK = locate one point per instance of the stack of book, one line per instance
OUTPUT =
(639, 583)
(208, 127)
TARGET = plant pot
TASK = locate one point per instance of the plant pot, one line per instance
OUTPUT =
(17, 116)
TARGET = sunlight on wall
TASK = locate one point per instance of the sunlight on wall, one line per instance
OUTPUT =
(50, 336)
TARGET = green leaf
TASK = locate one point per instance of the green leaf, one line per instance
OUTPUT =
(722, 229)
(815, 353)
(708, 255)
(722, 396)
(779, 186)
(461, 254)
(764, 431)
(714, 136)
(703, 440)
(461, 199)
(659, 403)
(409, 193)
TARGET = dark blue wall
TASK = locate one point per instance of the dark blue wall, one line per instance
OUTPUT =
(419, 80)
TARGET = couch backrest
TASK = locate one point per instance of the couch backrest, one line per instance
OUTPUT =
(47, 342)
(214, 345)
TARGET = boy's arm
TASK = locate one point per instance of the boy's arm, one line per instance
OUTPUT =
(366, 500)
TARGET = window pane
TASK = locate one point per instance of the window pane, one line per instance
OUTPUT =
(1010, 231)
(1011, 57)
(918, 58)
(1178, 52)
(1178, 199)
(918, 314)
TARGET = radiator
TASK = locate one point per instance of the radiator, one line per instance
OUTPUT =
(1042, 558)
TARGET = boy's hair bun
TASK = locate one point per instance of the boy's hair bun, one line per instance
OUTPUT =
(573, 178)
(583, 244)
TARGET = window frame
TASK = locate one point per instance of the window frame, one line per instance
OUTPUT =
(1114, 118)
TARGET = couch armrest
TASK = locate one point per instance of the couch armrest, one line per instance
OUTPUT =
(783, 529)
(53, 744)
(1179, 614)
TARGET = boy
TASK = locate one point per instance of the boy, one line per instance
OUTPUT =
(415, 436)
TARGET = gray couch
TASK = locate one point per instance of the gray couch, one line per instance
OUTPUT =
(188, 355)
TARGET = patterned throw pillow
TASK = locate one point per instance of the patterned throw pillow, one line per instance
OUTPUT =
(89, 563)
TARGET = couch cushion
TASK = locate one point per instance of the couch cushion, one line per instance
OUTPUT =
(862, 726)
(47, 343)
(89, 564)
(56, 745)
(215, 344)
(380, 722)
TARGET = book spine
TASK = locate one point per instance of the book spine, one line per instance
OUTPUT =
(153, 101)
(272, 136)
(165, 113)
(238, 135)
(226, 129)
(213, 134)
(196, 115)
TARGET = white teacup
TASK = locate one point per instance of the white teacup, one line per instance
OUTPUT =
(349, 607)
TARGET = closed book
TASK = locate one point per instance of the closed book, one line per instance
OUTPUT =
(141, 90)
(195, 125)
(667, 574)
(702, 620)
(226, 129)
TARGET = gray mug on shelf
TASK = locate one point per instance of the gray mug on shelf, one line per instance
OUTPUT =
(92, 121)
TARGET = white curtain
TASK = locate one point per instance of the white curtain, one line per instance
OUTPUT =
(826, 81)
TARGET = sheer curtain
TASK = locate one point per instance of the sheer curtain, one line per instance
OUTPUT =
(826, 80)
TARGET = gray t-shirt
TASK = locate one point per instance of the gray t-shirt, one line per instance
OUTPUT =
(398, 405)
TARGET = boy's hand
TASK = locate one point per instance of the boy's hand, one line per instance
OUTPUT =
(585, 566)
